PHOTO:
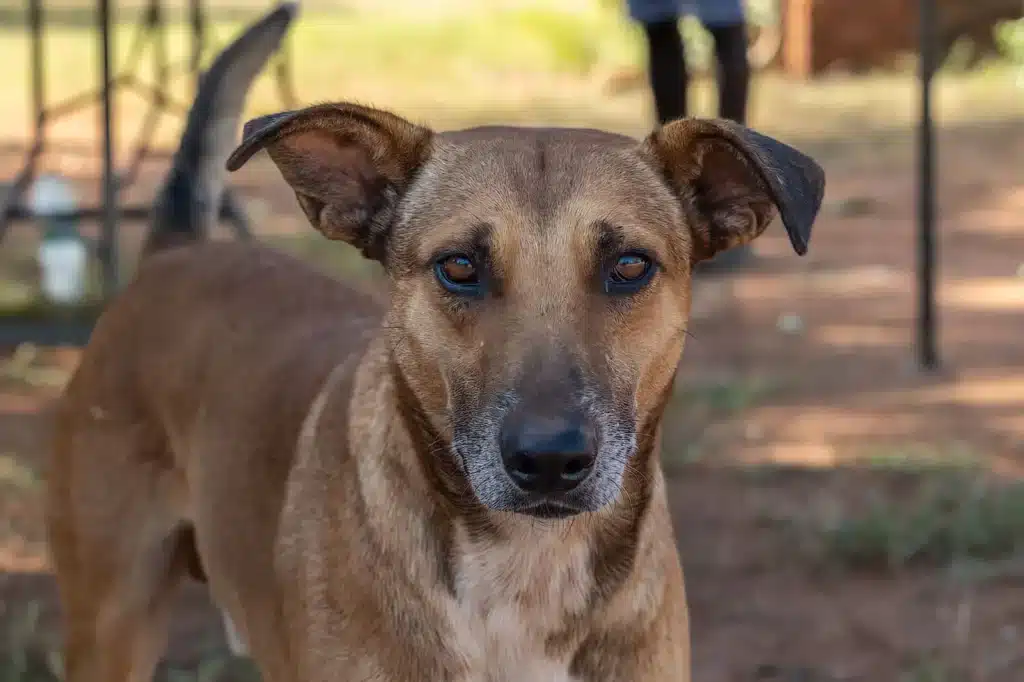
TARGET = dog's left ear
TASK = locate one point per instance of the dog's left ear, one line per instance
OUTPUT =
(349, 166)
(732, 181)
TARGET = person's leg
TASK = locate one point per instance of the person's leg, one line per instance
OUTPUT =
(667, 69)
(725, 20)
(733, 69)
(666, 55)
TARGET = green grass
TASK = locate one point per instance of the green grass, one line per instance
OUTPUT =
(30, 367)
(931, 670)
(526, 40)
(951, 519)
(25, 656)
(1010, 38)
(725, 397)
(374, 54)
(215, 667)
(922, 458)
(28, 654)
(15, 474)
(698, 404)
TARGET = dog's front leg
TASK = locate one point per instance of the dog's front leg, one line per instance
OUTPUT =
(643, 648)
(658, 655)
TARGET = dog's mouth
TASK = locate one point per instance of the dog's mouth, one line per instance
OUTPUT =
(549, 510)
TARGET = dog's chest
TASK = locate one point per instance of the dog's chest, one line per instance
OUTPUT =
(518, 608)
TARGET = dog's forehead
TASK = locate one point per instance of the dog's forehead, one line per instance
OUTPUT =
(557, 158)
(527, 136)
(530, 179)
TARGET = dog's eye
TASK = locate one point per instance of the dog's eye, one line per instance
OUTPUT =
(630, 268)
(458, 274)
(629, 273)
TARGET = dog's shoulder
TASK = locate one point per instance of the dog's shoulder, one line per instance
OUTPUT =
(252, 285)
(256, 264)
(227, 312)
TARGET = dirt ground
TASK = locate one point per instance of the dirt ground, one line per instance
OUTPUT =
(800, 379)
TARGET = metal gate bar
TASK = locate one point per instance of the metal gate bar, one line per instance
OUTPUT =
(927, 343)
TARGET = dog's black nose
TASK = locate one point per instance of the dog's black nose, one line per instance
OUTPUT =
(547, 456)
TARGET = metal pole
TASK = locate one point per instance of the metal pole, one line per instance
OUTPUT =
(9, 203)
(108, 238)
(35, 14)
(926, 331)
(198, 23)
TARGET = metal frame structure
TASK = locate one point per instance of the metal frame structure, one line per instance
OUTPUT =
(151, 32)
(927, 342)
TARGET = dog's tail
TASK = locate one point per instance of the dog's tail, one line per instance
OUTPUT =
(187, 207)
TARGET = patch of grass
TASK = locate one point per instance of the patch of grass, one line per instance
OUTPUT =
(769, 672)
(696, 407)
(952, 518)
(27, 656)
(920, 458)
(725, 397)
(33, 663)
(14, 473)
(215, 667)
(931, 670)
(1010, 39)
(536, 39)
(28, 367)
(397, 45)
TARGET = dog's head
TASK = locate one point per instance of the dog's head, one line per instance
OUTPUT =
(540, 277)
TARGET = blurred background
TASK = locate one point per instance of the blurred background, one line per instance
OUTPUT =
(842, 514)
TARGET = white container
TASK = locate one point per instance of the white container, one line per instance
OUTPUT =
(63, 256)
(64, 265)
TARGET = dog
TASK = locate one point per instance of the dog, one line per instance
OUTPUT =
(457, 483)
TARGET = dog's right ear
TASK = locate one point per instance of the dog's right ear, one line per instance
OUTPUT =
(348, 165)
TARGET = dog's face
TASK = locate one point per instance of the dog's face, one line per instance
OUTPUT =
(541, 287)
(540, 278)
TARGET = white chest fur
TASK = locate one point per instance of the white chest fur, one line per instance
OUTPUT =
(516, 599)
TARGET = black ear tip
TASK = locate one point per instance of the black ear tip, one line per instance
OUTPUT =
(808, 205)
(798, 229)
(255, 135)
(799, 245)
(239, 157)
(245, 151)
(263, 125)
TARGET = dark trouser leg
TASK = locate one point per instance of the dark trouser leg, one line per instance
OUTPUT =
(667, 69)
(733, 70)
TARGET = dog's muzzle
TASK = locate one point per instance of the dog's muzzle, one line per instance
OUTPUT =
(547, 458)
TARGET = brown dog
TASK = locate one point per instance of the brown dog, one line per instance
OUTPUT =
(461, 485)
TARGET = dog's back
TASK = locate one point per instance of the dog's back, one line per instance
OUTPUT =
(168, 357)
